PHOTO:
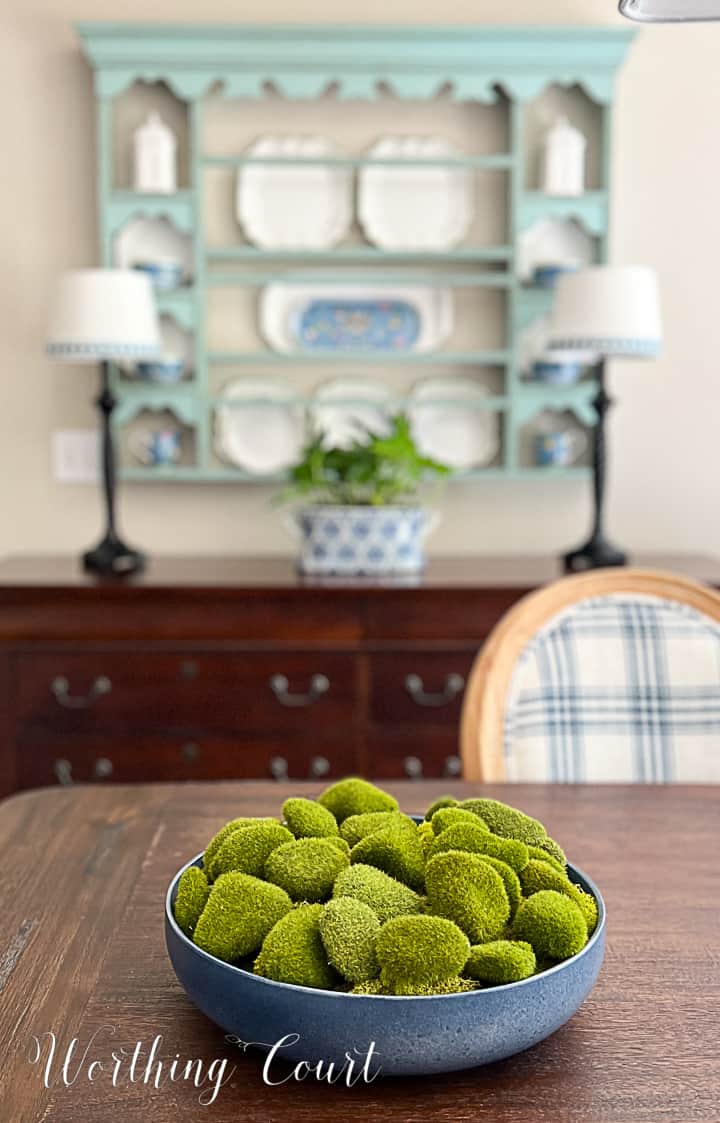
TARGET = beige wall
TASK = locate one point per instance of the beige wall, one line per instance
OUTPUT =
(665, 434)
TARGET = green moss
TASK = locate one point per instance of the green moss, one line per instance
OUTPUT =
(192, 894)
(239, 913)
(306, 818)
(466, 836)
(414, 950)
(453, 985)
(359, 826)
(467, 890)
(506, 821)
(444, 801)
(552, 923)
(246, 850)
(427, 836)
(306, 868)
(501, 961)
(349, 930)
(554, 849)
(544, 856)
(372, 986)
(511, 881)
(293, 952)
(451, 816)
(354, 796)
(217, 840)
(539, 875)
(383, 894)
(398, 853)
(339, 843)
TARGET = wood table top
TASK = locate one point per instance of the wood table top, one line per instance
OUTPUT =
(82, 956)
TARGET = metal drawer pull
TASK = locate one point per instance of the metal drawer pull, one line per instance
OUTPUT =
(60, 689)
(190, 750)
(413, 767)
(63, 772)
(319, 685)
(103, 768)
(279, 768)
(453, 766)
(319, 766)
(454, 685)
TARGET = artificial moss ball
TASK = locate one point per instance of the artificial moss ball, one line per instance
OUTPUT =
(468, 891)
(501, 961)
(552, 924)
(383, 894)
(360, 826)
(539, 875)
(454, 985)
(510, 879)
(217, 840)
(555, 850)
(239, 913)
(414, 950)
(349, 930)
(306, 818)
(306, 868)
(451, 816)
(507, 821)
(354, 797)
(444, 801)
(427, 836)
(293, 952)
(476, 840)
(246, 850)
(192, 894)
(339, 844)
(397, 852)
(535, 852)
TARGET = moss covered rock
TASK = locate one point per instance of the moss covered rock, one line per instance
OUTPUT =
(225, 831)
(468, 891)
(476, 840)
(339, 843)
(354, 796)
(306, 868)
(450, 816)
(554, 849)
(539, 875)
(307, 818)
(540, 855)
(511, 881)
(239, 913)
(246, 850)
(501, 961)
(293, 952)
(507, 821)
(552, 923)
(454, 985)
(427, 836)
(349, 930)
(396, 852)
(416, 950)
(360, 826)
(192, 894)
(443, 801)
(383, 894)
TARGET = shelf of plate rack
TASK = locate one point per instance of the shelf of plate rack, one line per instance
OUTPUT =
(511, 68)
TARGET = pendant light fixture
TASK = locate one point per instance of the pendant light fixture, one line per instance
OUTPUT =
(670, 11)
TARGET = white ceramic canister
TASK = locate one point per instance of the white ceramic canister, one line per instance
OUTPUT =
(155, 157)
(563, 160)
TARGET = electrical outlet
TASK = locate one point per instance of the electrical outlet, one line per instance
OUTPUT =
(76, 456)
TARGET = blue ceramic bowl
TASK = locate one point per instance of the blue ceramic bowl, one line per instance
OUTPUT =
(557, 373)
(412, 1036)
(168, 370)
(164, 275)
(547, 276)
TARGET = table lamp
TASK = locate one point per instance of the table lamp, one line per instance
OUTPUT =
(670, 11)
(604, 312)
(101, 316)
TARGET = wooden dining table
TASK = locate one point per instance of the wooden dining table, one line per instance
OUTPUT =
(83, 960)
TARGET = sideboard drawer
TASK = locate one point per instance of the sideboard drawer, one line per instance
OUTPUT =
(420, 688)
(96, 692)
(419, 754)
(150, 758)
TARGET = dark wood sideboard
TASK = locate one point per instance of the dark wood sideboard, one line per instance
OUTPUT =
(205, 669)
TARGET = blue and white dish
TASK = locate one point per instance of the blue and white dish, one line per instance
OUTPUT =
(336, 541)
(166, 370)
(555, 372)
(157, 447)
(559, 448)
(413, 1036)
(164, 275)
(358, 325)
(547, 276)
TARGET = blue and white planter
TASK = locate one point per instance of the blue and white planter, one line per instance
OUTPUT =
(362, 541)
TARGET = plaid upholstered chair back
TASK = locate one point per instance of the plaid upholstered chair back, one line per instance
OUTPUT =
(620, 687)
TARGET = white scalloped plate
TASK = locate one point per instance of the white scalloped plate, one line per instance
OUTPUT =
(292, 206)
(415, 208)
(458, 434)
(554, 241)
(281, 307)
(264, 436)
(343, 407)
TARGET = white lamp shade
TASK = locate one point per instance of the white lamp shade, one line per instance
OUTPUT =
(607, 310)
(662, 11)
(101, 314)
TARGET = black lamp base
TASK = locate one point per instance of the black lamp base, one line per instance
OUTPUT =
(597, 553)
(112, 558)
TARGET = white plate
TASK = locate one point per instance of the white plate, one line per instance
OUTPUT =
(153, 240)
(281, 306)
(415, 208)
(553, 241)
(292, 206)
(460, 435)
(343, 408)
(266, 434)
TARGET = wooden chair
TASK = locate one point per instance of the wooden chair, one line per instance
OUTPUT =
(611, 675)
